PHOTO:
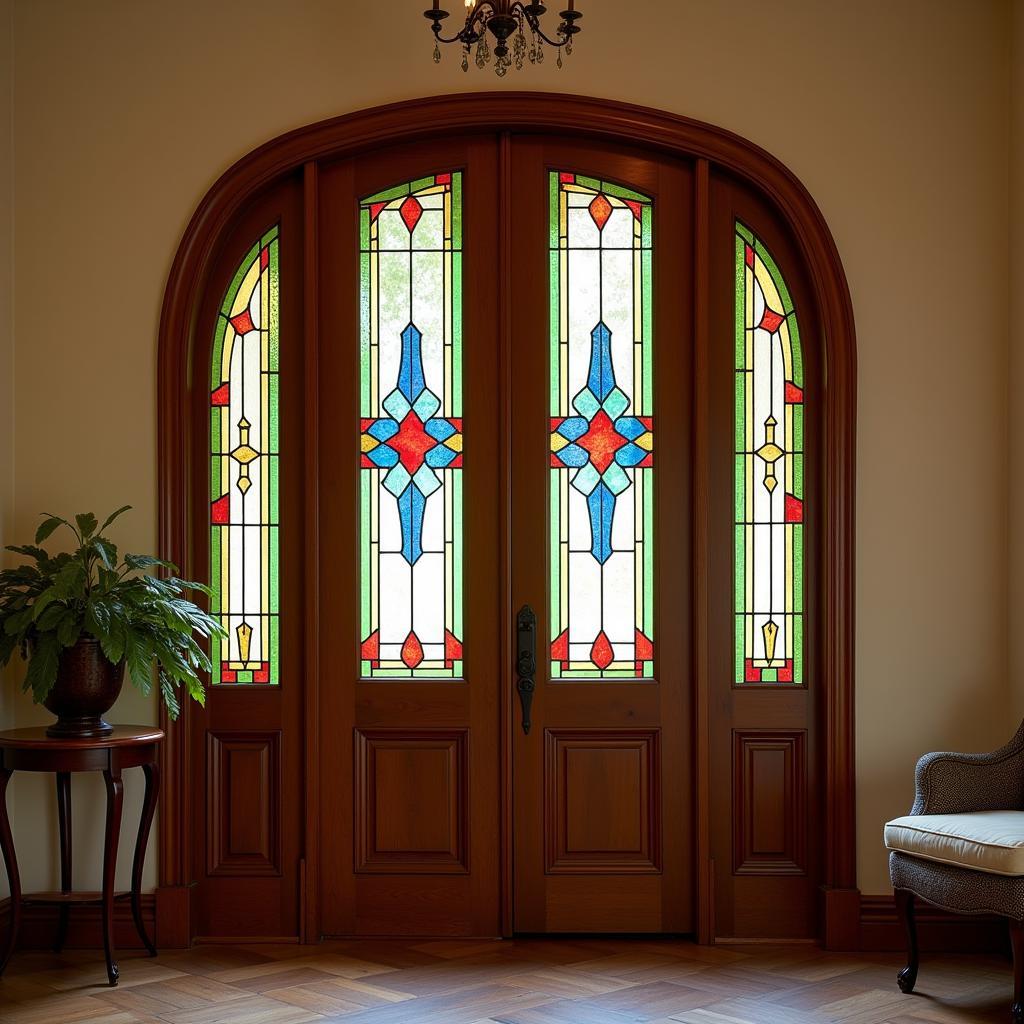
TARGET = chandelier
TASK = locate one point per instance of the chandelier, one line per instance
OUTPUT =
(510, 22)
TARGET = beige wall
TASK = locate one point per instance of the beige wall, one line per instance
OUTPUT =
(894, 115)
(1015, 473)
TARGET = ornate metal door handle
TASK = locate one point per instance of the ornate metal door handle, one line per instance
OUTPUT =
(526, 660)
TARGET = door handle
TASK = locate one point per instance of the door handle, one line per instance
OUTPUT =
(526, 660)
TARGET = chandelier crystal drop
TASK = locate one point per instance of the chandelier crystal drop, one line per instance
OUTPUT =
(515, 27)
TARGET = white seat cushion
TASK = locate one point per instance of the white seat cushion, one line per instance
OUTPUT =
(990, 841)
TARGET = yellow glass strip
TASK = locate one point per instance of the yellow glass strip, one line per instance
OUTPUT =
(787, 443)
(788, 528)
(226, 352)
(246, 288)
(787, 349)
(374, 549)
(563, 547)
(265, 596)
(265, 320)
(639, 483)
(374, 333)
(449, 550)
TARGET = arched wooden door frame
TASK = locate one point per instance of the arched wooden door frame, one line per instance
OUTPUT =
(569, 116)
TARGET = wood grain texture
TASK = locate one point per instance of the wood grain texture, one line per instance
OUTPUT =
(244, 803)
(603, 806)
(769, 802)
(411, 801)
(473, 981)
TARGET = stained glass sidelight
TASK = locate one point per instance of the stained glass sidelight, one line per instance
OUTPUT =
(244, 472)
(769, 472)
(411, 430)
(601, 488)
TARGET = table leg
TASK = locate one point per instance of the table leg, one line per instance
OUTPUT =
(152, 772)
(115, 793)
(64, 821)
(11, 863)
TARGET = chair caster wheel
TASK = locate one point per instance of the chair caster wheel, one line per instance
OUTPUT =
(907, 979)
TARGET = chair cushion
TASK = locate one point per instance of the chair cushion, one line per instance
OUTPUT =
(989, 841)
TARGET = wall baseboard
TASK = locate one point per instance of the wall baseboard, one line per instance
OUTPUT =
(938, 931)
(85, 929)
(876, 926)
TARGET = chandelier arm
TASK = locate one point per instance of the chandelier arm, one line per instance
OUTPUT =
(534, 24)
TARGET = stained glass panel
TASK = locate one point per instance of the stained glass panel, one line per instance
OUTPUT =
(769, 472)
(411, 430)
(602, 431)
(244, 472)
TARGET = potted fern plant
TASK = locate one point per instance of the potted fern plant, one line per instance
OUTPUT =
(80, 617)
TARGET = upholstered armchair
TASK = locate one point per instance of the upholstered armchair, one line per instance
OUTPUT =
(962, 847)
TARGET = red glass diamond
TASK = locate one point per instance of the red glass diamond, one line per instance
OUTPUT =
(601, 653)
(601, 441)
(412, 650)
(411, 211)
(794, 395)
(412, 442)
(600, 210)
(794, 509)
(264, 258)
(771, 320)
(222, 396)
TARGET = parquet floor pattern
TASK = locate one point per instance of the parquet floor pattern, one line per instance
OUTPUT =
(531, 981)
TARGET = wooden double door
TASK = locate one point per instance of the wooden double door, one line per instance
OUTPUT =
(533, 543)
(505, 697)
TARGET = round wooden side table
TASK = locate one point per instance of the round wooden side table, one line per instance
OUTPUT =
(31, 750)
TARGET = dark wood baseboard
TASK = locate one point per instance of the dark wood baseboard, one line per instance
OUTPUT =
(939, 931)
(173, 929)
(85, 930)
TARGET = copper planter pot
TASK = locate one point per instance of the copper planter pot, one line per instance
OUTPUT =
(87, 686)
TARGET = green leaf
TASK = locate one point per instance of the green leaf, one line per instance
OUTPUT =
(48, 526)
(113, 516)
(42, 667)
(50, 617)
(15, 623)
(167, 691)
(87, 523)
(29, 550)
(107, 551)
(69, 629)
(141, 562)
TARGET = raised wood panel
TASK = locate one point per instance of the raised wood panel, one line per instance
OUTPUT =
(603, 805)
(411, 801)
(244, 803)
(769, 802)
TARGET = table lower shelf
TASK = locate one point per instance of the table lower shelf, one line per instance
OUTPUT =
(57, 899)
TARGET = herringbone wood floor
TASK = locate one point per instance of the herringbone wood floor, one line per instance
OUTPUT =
(534, 981)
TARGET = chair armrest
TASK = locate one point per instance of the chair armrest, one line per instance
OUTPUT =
(951, 783)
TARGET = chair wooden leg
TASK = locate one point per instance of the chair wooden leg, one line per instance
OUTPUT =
(907, 978)
(1017, 942)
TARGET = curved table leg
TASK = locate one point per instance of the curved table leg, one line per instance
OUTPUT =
(152, 772)
(64, 821)
(11, 863)
(115, 793)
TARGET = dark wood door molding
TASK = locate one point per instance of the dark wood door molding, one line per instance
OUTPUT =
(715, 150)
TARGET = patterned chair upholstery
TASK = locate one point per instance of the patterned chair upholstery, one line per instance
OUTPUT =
(965, 786)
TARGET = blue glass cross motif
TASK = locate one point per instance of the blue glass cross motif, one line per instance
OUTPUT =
(411, 443)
